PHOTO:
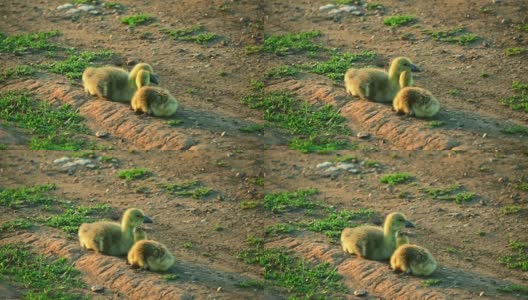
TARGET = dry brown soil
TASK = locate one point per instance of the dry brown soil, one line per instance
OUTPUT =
(470, 149)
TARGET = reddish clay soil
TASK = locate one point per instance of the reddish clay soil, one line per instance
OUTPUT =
(470, 149)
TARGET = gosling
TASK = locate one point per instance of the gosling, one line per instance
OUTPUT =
(414, 101)
(375, 84)
(154, 101)
(148, 254)
(372, 242)
(112, 238)
(116, 84)
(412, 259)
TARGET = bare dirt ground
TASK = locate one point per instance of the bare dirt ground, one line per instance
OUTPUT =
(205, 235)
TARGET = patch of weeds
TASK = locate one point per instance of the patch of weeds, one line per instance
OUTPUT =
(339, 63)
(188, 245)
(515, 129)
(74, 66)
(485, 9)
(191, 188)
(257, 180)
(291, 43)
(174, 123)
(284, 201)
(519, 101)
(134, 174)
(72, 218)
(515, 51)
(481, 233)
(456, 35)
(434, 124)
(85, 154)
(26, 196)
(452, 250)
(19, 44)
(253, 128)
(220, 163)
(371, 163)
(16, 224)
(249, 204)
(346, 159)
(523, 186)
(112, 5)
(316, 129)
(431, 282)
(252, 49)
(408, 36)
(518, 260)
(333, 225)
(17, 72)
(374, 6)
(197, 34)
(139, 19)
(280, 228)
(169, 277)
(3, 147)
(484, 74)
(256, 85)
(511, 209)
(109, 159)
(514, 288)
(55, 129)
(197, 193)
(178, 187)
(396, 178)
(398, 21)
(452, 193)
(250, 283)
(454, 92)
(280, 72)
(45, 278)
(522, 27)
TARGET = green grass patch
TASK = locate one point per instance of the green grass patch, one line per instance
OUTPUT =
(336, 67)
(457, 35)
(197, 34)
(522, 27)
(511, 209)
(371, 163)
(335, 222)
(280, 228)
(396, 178)
(135, 20)
(17, 72)
(253, 128)
(112, 5)
(280, 72)
(290, 43)
(298, 276)
(431, 282)
(517, 260)
(197, 193)
(454, 92)
(134, 174)
(346, 159)
(515, 51)
(251, 284)
(174, 123)
(434, 124)
(398, 21)
(523, 186)
(519, 101)
(74, 66)
(515, 129)
(19, 44)
(514, 288)
(315, 129)
(374, 6)
(286, 201)
(191, 188)
(249, 204)
(454, 193)
(54, 129)
(45, 278)
(72, 218)
(16, 224)
(169, 277)
(259, 180)
(27, 196)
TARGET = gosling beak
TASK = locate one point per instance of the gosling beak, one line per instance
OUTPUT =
(415, 68)
(409, 224)
(154, 78)
(147, 219)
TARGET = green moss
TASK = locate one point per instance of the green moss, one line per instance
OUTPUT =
(74, 66)
(72, 218)
(515, 51)
(453, 193)
(339, 63)
(191, 188)
(197, 34)
(253, 128)
(139, 19)
(16, 224)
(17, 72)
(431, 282)
(284, 201)
(519, 258)
(280, 228)
(434, 124)
(291, 43)
(248, 204)
(27, 196)
(398, 21)
(514, 288)
(19, 44)
(511, 209)
(515, 129)
(519, 101)
(134, 174)
(335, 222)
(280, 72)
(396, 178)
(456, 35)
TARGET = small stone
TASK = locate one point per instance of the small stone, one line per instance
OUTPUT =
(324, 165)
(348, 8)
(101, 134)
(83, 161)
(85, 7)
(61, 160)
(363, 135)
(91, 166)
(65, 6)
(223, 133)
(97, 288)
(481, 294)
(219, 289)
(332, 169)
(327, 7)
(73, 11)
(353, 171)
(360, 293)
(94, 12)
(345, 166)
(484, 135)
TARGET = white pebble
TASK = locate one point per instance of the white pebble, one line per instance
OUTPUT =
(326, 7)
(324, 165)
(61, 160)
(65, 6)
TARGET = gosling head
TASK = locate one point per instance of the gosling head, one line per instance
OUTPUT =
(153, 78)
(135, 217)
(396, 221)
(139, 234)
(401, 64)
